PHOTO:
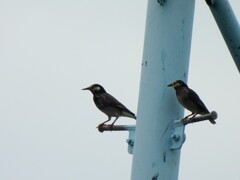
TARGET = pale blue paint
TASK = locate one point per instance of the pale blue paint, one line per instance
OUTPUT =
(165, 59)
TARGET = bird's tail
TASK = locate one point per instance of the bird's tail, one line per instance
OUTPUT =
(135, 117)
(129, 114)
(212, 121)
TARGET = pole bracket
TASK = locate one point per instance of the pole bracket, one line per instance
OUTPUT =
(161, 2)
(129, 128)
(178, 137)
(210, 2)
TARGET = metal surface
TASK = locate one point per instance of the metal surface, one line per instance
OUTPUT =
(165, 59)
(228, 25)
(116, 128)
(178, 137)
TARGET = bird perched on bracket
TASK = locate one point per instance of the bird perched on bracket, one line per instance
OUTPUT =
(108, 104)
(189, 99)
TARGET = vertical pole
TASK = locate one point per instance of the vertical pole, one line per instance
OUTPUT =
(165, 59)
(228, 25)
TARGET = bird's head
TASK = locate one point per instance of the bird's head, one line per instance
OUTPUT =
(95, 89)
(178, 84)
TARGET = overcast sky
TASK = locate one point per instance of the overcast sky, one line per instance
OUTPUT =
(50, 50)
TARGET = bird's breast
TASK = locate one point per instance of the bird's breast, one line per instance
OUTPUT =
(185, 101)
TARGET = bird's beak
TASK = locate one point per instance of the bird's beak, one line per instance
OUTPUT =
(170, 85)
(87, 88)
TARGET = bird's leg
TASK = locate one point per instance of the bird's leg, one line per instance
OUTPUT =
(113, 122)
(194, 116)
(187, 116)
(109, 118)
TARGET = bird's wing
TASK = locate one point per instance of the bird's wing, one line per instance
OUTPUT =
(111, 101)
(194, 97)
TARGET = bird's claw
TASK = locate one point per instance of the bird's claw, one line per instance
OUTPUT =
(111, 126)
(193, 117)
(183, 119)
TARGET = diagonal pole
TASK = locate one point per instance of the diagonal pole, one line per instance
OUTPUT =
(228, 25)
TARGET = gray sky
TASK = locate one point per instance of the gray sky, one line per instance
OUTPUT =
(50, 50)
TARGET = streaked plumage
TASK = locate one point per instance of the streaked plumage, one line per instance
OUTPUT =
(189, 99)
(108, 104)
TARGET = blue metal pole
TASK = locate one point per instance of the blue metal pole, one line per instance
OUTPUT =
(228, 25)
(165, 59)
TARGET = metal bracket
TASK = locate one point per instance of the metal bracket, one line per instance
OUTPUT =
(178, 137)
(161, 2)
(129, 128)
(212, 116)
(210, 2)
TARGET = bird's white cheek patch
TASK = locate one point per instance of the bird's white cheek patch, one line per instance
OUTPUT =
(97, 88)
(177, 84)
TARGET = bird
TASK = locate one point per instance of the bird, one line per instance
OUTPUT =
(189, 100)
(108, 104)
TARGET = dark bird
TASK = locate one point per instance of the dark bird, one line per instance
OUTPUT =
(189, 99)
(108, 104)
